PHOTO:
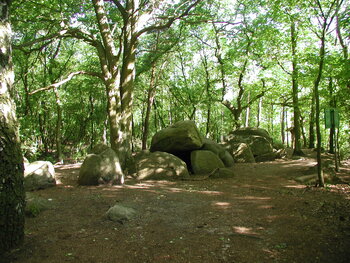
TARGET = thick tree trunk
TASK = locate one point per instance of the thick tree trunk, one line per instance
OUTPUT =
(12, 196)
(127, 78)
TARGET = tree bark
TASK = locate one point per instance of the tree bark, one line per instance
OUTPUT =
(247, 112)
(150, 100)
(283, 128)
(12, 195)
(312, 135)
(58, 127)
(332, 104)
(317, 107)
(295, 91)
(259, 112)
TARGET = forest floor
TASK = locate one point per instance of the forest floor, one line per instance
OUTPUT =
(260, 215)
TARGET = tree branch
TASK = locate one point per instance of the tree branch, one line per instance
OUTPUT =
(72, 32)
(167, 24)
(70, 76)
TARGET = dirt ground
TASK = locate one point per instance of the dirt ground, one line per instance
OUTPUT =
(260, 215)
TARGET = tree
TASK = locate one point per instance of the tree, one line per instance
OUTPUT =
(12, 198)
(325, 15)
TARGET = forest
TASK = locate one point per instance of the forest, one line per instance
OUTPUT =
(78, 74)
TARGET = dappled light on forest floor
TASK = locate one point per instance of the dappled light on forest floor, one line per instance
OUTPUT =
(299, 186)
(260, 215)
(244, 230)
(222, 205)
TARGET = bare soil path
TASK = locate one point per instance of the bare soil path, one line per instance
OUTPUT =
(260, 215)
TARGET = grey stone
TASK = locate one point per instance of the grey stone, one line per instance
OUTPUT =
(266, 157)
(99, 148)
(260, 145)
(39, 175)
(111, 171)
(227, 159)
(243, 154)
(219, 150)
(204, 162)
(182, 136)
(119, 213)
(252, 131)
(89, 172)
(103, 168)
(212, 146)
(158, 165)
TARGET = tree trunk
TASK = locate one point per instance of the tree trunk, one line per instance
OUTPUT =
(283, 128)
(332, 104)
(12, 195)
(58, 127)
(150, 100)
(259, 112)
(312, 135)
(127, 78)
(92, 126)
(247, 112)
(297, 143)
(317, 107)
(303, 131)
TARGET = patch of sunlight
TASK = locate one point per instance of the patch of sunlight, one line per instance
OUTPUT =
(175, 190)
(299, 186)
(137, 186)
(222, 205)
(255, 198)
(266, 207)
(244, 230)
(210, 192)
(68, 166)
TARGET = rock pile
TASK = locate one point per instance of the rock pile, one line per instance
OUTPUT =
(185, 141)
(250, 145)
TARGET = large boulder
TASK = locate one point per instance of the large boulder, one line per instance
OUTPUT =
(260, 145)
(180, 137)
(227, 159)
(39, 175)
(243, 154)
(251, 131)
(89, 172)
(204, 162)
(101, 168)
(257, 139)
(266, 157)
(111, 170)
(157, 166)
(99, 148)
(219, 150)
